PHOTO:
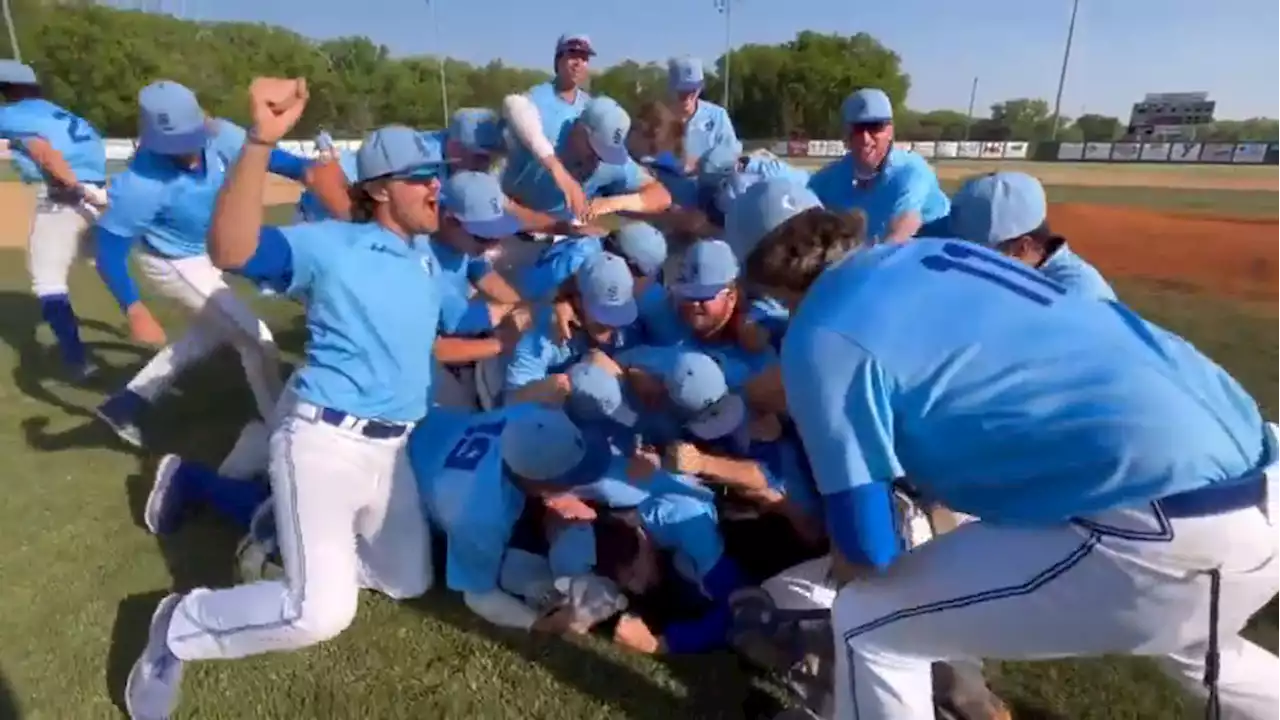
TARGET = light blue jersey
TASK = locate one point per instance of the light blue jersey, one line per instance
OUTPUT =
(310, 208)
(685, 527)
(168, 206)
(1076, 275)
(463, 312)
(555, 264)
(710, 126)
(538, 354)
(373, 307)
(999, 394)
(668, 335)
(905, 183)
(556, 114)
(768, 166)
(465, 492)
(537, 190)
(73, 137)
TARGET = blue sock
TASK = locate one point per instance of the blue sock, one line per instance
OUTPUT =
(234, 499)
(57, 311)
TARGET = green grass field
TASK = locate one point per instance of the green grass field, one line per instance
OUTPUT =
(81, 576)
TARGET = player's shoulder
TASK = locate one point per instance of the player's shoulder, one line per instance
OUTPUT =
(849, 292)
(25, 115)
(909, 164)
(146, 171)
(835, 173)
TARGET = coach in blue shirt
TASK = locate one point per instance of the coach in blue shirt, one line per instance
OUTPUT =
(896, 189)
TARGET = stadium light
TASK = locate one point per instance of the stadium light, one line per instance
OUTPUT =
(1062, 78)
(13, 33)
(444, 87)
(725, 7)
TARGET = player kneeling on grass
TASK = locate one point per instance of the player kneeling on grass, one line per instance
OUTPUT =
(1008, 212)
(339, 473)
(1107, 455)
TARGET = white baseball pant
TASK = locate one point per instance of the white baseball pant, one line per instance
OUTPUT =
(347, 517)
(1130, 582)
(220, 317)
(59, 235)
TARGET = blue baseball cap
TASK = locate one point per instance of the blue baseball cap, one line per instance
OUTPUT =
(991, 209)
(170, 119)
(15, 73)
(596, 394)
(700, 395)
(868, 105)
(607, 288)
(733, 188)
(543, 445)
(574, 42)
(684, 74)
(707, 268)
(761, 208)
(479, 130)
(607, 127)
(400, 152)
(642, 245)
(477, 201)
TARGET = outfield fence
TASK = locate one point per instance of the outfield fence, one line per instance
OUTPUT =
(1244, 153)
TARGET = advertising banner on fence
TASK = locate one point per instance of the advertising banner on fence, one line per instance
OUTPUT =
(825, 148)
(798, 148)
(1250, 153)
(1273, 153)
(1015, 150)
(118, 148)
(902, 145)
(971, 150)
(4, 149)
(1217, 152)
(780, 147)
(1125, 151)
(1184, 152)
(1097, 151)
(924, 149)
(947, 149)
(1071, 151)
(1155, 152)
(296, 147)
(992, 151)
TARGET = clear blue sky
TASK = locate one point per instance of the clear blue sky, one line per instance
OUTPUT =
(1122, 48)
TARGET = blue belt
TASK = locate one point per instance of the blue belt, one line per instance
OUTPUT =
(372, 429)
(1216, 499)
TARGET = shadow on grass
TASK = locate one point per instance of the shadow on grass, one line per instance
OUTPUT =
(9, 709)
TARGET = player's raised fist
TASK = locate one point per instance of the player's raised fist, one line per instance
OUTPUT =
(276, 104)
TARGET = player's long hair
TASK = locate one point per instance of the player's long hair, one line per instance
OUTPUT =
(362, 203)
(658, 128)
(798, 250)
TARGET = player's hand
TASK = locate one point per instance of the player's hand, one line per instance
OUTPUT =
(684, 458)
(648, 389)
(94, 196)
(569, 507)
(556, 622)
(275, 105)
(643, 464)
(634, 634)
(513, 326)
(564, 317)
(599, 208)
(143, 327)
(574, 197)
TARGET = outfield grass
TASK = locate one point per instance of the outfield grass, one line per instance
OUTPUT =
(81, 576)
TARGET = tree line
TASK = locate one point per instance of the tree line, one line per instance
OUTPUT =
(94, 59)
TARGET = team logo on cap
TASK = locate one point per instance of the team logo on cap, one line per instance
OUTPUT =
(495, 206)
(162, 119)
(788, 203)
(617, 136)
(709, 126)
(612, 294)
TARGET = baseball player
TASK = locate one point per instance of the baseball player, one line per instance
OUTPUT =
(166, 197)
(476, 139)
(64, 157)
(706, 126)
(346, 505)
(311, 208)
(1125, 486)
(1021, 198)
(896, 189)
(643, 247)
(325, 149)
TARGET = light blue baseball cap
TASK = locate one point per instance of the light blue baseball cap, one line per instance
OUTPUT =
(607, 288)
(684, 74)
(700, 395)
(15, 73)
(396, 151)
(607, 127)
(544, 445)
(642, 245)
(868, 105)
(477, 201)
(479, 130)
(707, 268)
(991, 209)
(574, 42)
(596, 394)
(170, 119)
(761, 208)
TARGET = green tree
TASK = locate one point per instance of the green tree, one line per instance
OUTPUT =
(1099, 128)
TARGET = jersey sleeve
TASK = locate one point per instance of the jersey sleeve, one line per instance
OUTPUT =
(477, 267)
(529, 358)
(916, 184)
(627, 178)
(840, 401)
(725, 132)
(688, 529)
(135, 199)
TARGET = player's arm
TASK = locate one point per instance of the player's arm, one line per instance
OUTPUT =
(55, 166)
(527, 379)
(916, 185)
(635, 191)
(525, 121)
(134, 201)
(840, 403)
(742, 475)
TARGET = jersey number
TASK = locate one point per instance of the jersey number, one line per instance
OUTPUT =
(474, 445)
(1022, 281)
(76, 128)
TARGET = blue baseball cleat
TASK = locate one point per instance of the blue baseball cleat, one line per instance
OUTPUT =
(155, 681)
(166, 502)
(120, 412)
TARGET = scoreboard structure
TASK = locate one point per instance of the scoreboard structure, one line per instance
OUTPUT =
(1170, 116)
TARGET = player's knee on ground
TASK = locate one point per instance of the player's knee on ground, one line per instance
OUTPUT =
(324, 617)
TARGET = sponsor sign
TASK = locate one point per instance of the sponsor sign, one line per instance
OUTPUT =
(992, 151)
(903, 146)
(1250, 153)
(970, 150)
(1097, 151)
(118, 149)
(947, 149)
(925, 149)
(1071, 151)
(825, 148)
(1217, 152)
(1184, 152)
(1016, 150)
(1125, 151)
(798, 148)
(1155, 152)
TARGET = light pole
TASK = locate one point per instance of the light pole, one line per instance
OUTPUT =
(1062, 78)
(13, 33)
(444, 87)
(725, 7)
(968, 118)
